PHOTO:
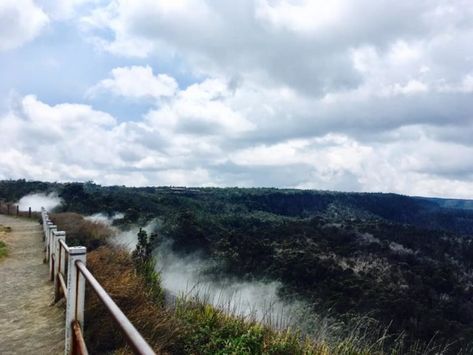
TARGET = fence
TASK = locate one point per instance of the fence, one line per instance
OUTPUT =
(71, 261)
(14, 210)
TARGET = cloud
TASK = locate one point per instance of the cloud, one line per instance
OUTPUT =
(20, 22)
(64, 141)
(64, 9)
(216, 133)
(307, 68)
(306, 45)
(349, 95)
(201, 109)
(76, 142)
(136, 82)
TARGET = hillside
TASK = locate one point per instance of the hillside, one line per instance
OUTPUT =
(405, 261)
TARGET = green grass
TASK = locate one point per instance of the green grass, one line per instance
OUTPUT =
(3, 246)
(207, 330)
(3, 250)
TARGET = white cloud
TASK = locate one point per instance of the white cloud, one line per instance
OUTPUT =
(351, 95)
(411, 87)
(20, 22)
(203, 108)
(76, 142)
(303, 16)
(136, 82)
(124, 17)
(66, 141)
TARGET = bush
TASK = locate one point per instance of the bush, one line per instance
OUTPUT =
(82, 232)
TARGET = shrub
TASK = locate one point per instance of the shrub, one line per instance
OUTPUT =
(80, 231)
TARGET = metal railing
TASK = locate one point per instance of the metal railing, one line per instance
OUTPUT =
(71, 261)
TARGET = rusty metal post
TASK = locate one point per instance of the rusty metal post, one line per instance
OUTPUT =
(57, 261)
(75, 295)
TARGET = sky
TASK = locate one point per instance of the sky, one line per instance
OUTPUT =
(351, 95)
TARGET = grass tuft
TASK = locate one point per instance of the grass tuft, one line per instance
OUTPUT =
(3, 250)
(3, 246)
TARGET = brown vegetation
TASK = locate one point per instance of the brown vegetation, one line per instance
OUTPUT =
(80, 231)
(114, 269)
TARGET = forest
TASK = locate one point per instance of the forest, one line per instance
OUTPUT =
(404, 261)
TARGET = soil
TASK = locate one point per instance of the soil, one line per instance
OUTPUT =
(29, 321)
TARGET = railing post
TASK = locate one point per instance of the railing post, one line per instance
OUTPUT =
(43, 215)
(52, 229)
(46, 225)
(58, 256)
(75, 294)
(17, 210)
(46, 239)
(29, 212)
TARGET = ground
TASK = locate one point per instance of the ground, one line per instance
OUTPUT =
(30, 323)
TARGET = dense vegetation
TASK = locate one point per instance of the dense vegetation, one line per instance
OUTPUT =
(404, 261)
(189, 326)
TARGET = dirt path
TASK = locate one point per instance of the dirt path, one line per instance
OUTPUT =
(29, 323)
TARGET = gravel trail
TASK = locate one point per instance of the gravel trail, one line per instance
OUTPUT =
(29, 322)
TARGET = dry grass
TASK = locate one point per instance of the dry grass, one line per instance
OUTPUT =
(4, 229)
(115, 271)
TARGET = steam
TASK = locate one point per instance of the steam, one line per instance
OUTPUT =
(188, 276)
(129, 238)
(105, 219)
(256, 300)
(38, 200)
